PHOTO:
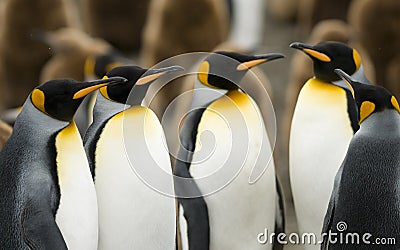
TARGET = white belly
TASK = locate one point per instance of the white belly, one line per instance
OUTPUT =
(234, 141)
(131, 214)
(77, 213)
(319, 139)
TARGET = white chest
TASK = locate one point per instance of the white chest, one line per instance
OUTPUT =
(232, 150)
(77, 213)
(129, 153)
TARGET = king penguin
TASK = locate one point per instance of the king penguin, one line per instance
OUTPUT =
(323, 124)
(47, 196)
(122, 141)
(365, 197)
(223, 203)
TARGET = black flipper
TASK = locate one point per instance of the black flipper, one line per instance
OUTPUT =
(39, 229)
(195, 209)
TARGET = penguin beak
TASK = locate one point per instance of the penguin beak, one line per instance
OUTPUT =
(153, 74)
(86, 88)
(347, 79)
(309, 50)
(258, 59)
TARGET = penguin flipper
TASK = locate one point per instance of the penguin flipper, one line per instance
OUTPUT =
(195, 210)
(39, 228)
(280, 214)
(331, 209)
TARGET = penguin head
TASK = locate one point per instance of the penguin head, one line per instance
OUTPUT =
(135, 76)
(369, 98)
(223, 69)
(328, 56)
(61, 98)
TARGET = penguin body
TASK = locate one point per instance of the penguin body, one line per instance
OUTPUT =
(312, 128)
(121, 141)
(238, 201)
(48, 199)
(325, 117)
(224, 142)
(365, 195)
(151, 214)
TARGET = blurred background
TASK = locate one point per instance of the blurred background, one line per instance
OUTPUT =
(46, 39)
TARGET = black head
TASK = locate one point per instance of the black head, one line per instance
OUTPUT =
(136, 76)
(328, 56)
(61, 98)
(369, 98)
(223, 69)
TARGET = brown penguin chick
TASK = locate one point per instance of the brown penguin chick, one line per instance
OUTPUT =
(71, 47)
(311, 12)
(376, 24)
(393, 76)
(284, 10)
(178, 26)
(5, 133)
(2, 8)
(175, 27)
(21, 56)
(118, 22)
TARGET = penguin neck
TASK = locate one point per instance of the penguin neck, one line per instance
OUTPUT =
(384, 123)
(36, 123)
(359, 75)
(137, 95)
(203, 95)
(105, 109)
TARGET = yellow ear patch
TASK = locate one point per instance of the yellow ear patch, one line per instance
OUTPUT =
(250, 64)
(356, 58)
(104, 93)
(318, 55)
(38, 99)
(204, 70)
(395, 103)
(103, 90)
(366, 109)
